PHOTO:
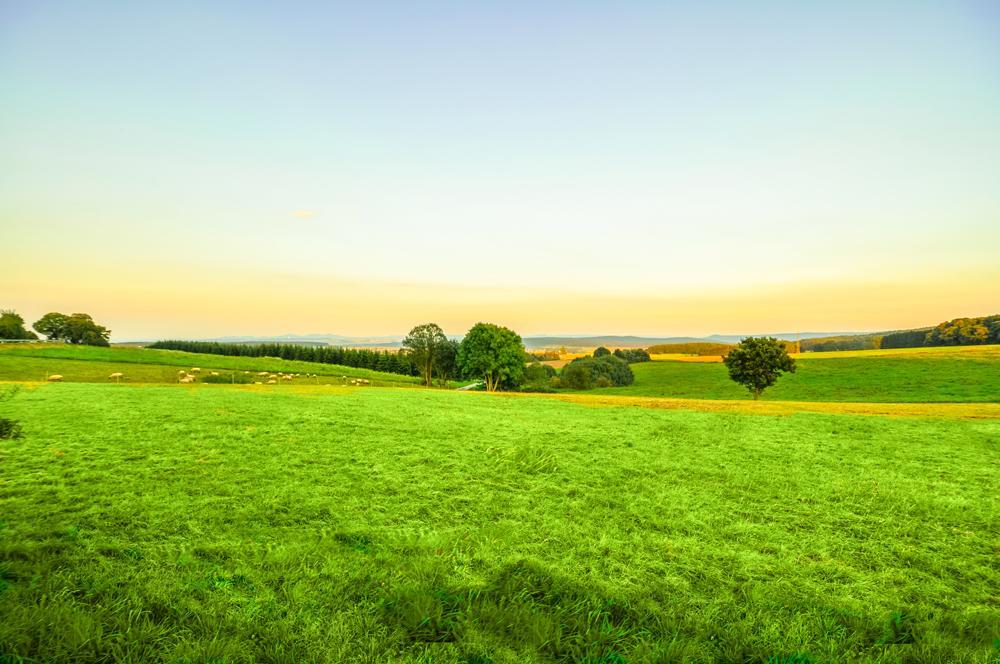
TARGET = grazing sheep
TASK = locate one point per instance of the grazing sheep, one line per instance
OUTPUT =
(195, 369)
(214, 373)
(118, 375)
(286, 378)
(187, 379)
(262, 373)
(55, 378)
(182, 373)
(272, 382)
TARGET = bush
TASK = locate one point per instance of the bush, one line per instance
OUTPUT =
(587, 372)
(632, 355)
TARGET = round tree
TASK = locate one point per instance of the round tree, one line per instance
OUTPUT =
(493, 353)
(757, 363)
(424, 344)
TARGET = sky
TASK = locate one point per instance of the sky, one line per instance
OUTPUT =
(205, 169)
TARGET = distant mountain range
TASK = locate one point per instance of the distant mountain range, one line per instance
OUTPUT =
(531, 343)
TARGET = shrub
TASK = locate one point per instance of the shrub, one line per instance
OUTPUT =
(632, 355)
(601, 351)
(587, 372)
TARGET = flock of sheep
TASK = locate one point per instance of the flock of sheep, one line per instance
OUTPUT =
(266, 377)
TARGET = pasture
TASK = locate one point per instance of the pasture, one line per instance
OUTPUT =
(968, 374)
(222, 523)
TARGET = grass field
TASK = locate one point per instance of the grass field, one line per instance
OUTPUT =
(970, 374)
(89, 364)
(220, 523)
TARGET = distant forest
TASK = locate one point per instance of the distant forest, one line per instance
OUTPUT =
(956, 332)
(362, 358)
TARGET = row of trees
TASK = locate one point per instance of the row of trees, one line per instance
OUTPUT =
(362, 358)
(71, 328)
(491, 353)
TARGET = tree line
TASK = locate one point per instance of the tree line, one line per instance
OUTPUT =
(361, 358)
(71, 328)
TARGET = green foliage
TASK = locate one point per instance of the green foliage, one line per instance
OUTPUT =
(844, 342)
(632, 355)
(757, 362)
(601, 351)
(423, 344)
(585, 373)
(966, 332)
(446, 365)
(905, 338)
(384, 361)
(545, 355)
(74, 329)
(493, 354)
(12, 326)
(538, 377)
(161, 524)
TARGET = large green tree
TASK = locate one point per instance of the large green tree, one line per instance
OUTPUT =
(757, 362)
(426, 345)
(74, 329)
(493, 353)
(12, 326)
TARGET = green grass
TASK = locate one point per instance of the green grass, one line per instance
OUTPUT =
(213, 523)
(918, 377)
(90, 364)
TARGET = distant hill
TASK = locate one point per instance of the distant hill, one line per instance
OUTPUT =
(534, 343)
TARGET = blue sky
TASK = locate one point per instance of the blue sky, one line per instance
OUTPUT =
(536, 164)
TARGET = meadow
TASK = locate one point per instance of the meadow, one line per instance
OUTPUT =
(221, 523)
(966, 374)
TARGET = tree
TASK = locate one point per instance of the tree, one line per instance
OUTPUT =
(601, 351)
(493, 353)
(424, 344)
(74, 329)
(584, 373)
(52, 325)
(12, 326)
(447, 361)
(757, 363)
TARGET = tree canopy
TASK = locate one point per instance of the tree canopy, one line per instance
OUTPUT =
(758, 362)
(12, 326)
(74, 329)
(425, 344)
(493, 353)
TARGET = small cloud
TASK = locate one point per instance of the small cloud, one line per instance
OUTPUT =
(304, 214)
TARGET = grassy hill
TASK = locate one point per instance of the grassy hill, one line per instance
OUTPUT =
(220, 523)
(963, 374)
(34, 362)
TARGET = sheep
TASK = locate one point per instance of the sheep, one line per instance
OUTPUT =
(286, 378)
(214, 373)
(262, 373)
(187, 379)
(182, 372)
(118, 375)
(55, 378)
(272, 382)
(195, 369)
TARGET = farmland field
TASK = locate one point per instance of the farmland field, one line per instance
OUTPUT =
(970, 374)
(312, 523)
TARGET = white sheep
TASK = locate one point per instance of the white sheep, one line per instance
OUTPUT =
(214, 373)
(55, 378)
(272, 382)
(195, 369)
(118, 375)
(187, 379)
